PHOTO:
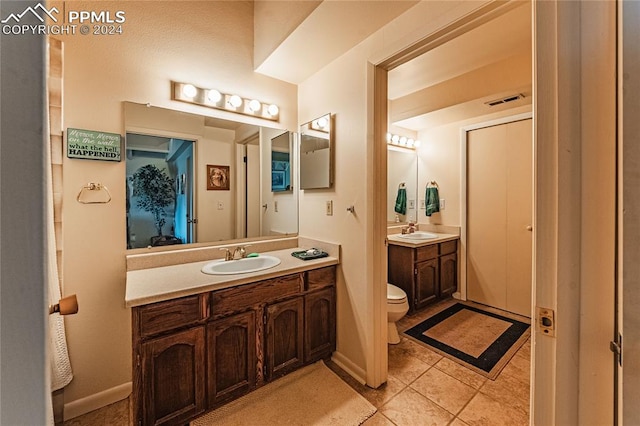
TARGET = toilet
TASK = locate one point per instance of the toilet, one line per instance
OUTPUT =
(397, 307)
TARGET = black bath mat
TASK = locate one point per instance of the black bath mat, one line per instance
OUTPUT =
(478, 338)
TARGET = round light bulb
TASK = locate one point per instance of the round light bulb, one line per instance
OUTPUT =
(388, 137)
(403, 140)
(395, 138)
(273, 110)
(410, 142)
(189, 90)
(254, 105)
(322, 122)
(214, 96)
(235, 101)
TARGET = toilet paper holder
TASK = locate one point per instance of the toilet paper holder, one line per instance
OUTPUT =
(65, 306)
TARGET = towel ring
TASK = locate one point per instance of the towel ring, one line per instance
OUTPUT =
(93, 187)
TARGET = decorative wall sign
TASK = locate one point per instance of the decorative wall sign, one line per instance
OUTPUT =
(93, 145)
(217, 177)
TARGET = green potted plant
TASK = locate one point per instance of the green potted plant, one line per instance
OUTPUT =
(155, 191)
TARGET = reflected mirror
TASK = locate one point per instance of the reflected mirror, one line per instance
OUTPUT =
(402, 180)
(198, 179)
(316, 156)
(281, 163)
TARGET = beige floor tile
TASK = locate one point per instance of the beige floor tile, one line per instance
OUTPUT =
(519, 368)
(444, 390)
(117, 414)
(419, 351)
(384, 393)
(508, 390)
(93, 418)
(457, 422)
(461, 373)
(378, 419)
(525, 350)
(405, 367)
(410, 408)
(485, 411)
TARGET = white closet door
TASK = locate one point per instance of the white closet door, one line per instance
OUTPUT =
(499, 203)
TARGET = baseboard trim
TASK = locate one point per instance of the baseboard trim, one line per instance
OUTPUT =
(354, 371)
(97, 400)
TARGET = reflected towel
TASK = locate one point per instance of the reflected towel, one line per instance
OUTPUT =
(401, 201)
(432, 201)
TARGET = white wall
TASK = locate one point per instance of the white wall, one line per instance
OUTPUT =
(162, 41)
(402, 166)
(215, 209)
(345, 88)
(439, 159)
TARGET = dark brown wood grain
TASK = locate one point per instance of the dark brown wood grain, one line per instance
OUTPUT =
(320, 324)
(320, 278)
(284, 337)
(163, 316)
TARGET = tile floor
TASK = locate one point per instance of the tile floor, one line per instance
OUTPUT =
(423, 388)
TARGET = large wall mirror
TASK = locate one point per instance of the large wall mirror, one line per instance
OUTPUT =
(316, 153)
(197, 179)
(402, 181)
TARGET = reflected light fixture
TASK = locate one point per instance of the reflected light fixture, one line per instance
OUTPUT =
(213, 98)
(402, 141)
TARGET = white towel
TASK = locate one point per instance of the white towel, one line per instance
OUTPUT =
(60, 366)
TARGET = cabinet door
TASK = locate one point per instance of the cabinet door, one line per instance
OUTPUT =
(285, 334)
(173, 370)
(319, 324)
(448, 274)
(231, 357)
(427, 276)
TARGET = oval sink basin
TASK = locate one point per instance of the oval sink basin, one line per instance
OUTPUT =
(418, 235)
(240, 266)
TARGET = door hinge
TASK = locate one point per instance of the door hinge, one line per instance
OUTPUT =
(415, 271)
(264, 319)
(616, 348)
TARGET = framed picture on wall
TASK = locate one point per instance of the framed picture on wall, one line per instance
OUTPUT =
(217, 178)
(277, 180)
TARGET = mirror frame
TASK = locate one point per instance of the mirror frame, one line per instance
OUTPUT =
(306, 127)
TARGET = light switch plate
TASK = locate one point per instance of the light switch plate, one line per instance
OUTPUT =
(330, 208)
(412, 204)
(442, 204)
(220, 205)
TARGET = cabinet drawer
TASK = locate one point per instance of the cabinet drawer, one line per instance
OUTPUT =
(319, 278)
(237, 299)
(448, 247)
(164, 316)
(426, 252)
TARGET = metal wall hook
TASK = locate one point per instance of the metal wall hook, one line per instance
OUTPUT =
(351, 209)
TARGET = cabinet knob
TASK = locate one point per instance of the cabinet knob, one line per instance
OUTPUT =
(529, 228)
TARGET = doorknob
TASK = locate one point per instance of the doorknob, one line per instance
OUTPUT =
(192, 220)
(529, 228)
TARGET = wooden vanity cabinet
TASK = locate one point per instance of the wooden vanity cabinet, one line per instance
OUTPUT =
(284, 337)
(196, 353)
(231, 357)
(426, 273)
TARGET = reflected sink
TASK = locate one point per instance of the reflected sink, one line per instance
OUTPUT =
(418, 235)
(240, 266)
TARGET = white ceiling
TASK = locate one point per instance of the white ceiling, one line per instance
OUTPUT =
(334, 27)
(494, 41)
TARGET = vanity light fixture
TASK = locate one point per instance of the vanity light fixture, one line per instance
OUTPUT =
(213, 98)
(402, 141)
(189, 90)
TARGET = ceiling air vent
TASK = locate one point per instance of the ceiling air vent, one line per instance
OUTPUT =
(504, 100)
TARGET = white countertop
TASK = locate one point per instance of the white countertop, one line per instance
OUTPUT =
(169, 282)
(396, 240)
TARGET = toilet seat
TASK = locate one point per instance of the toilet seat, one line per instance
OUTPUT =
(395, 295)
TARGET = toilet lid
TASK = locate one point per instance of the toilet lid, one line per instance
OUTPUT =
(395, 293)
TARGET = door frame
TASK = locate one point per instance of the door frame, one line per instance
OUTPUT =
(464, 139)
